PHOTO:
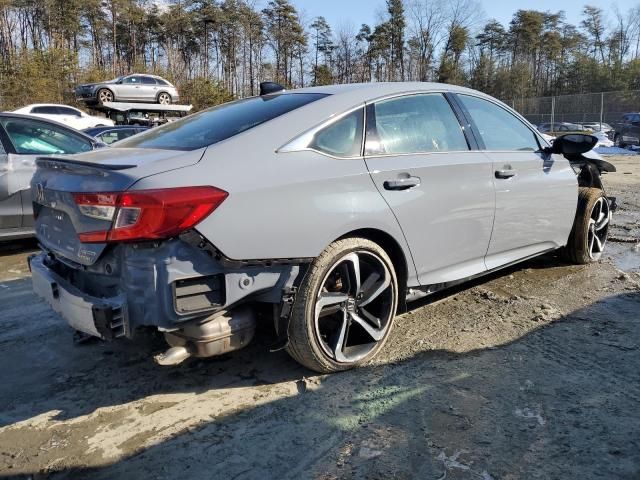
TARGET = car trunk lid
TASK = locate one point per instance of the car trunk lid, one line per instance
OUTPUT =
(58, 220)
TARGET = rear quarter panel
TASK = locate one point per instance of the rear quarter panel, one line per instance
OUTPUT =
(282, 205)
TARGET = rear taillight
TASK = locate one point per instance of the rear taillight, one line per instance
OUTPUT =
(147, 214)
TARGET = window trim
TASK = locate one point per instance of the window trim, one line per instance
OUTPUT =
(481, 145)
(371, 127)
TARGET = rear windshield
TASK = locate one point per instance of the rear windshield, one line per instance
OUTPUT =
(219, 123)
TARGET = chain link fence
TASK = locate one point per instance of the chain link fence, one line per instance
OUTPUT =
(605, 107)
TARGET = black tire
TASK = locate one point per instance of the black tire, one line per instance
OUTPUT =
(104, 95)
(307, 343)
(617, 141)
(164, 98)
(589, 235)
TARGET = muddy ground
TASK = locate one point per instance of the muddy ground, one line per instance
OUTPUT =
(533, 373)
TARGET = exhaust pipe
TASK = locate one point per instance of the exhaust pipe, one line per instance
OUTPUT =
(215, 335)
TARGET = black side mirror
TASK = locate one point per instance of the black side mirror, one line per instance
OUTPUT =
(572, 144)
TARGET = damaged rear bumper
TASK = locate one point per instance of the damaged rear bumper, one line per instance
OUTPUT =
(101, 317)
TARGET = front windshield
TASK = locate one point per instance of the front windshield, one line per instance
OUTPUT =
(219, 123)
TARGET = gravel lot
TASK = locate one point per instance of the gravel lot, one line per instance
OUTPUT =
(532, 373)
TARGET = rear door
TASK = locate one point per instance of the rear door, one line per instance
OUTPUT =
(149, 88)
(10, 202)
(536, 193)
(440, 190)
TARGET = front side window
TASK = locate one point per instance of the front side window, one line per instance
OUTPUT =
(343, 138)
(35, 138)
(219, 123)
(132, 81)
(415, 124)
(499, 129)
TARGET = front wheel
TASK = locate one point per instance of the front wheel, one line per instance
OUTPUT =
(104, 95)
(590, 228)
(344, 310)
(617, 141)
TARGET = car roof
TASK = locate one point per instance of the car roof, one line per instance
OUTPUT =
(31, 105)
(382, 89)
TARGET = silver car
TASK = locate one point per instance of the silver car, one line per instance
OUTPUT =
(130, 88)
(332, 206)
(22, 139)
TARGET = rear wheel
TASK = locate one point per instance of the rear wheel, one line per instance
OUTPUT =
(164, 99)
(590, 228)
(345, 307)
(617, 141)
(105, 95)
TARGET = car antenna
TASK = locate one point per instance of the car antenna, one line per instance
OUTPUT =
(268, 88)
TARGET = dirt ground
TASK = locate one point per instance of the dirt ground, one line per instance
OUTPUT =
(532, 373)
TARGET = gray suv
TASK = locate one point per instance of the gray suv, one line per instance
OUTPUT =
(130, 88)
(330, 206)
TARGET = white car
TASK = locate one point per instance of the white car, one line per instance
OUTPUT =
(66, 115)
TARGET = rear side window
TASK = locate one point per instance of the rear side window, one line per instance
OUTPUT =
(45, 110)
(68, 111)
(499, 129)
(219, 123)
(34, 137)
(148, 81)
(342, 138)
(160, 81)
(415, 124)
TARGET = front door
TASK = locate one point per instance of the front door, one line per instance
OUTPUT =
(536, 193)
(440, 190)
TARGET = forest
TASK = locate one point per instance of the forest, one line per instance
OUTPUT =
(216, 50)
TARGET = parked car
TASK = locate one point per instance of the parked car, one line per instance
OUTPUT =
(190, 226)
(109, 135)
(598, 127)
(22, 139)
(627, 131)
(130, 88)
(561, 128)
(603, 139)
(64, 114)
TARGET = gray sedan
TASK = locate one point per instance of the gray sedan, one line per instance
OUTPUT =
(332, 206)
(22, 139)
(130, 88)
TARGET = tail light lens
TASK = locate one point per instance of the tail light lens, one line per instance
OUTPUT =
(147, 214)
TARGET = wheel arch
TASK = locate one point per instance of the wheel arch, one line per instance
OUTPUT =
(161, 92)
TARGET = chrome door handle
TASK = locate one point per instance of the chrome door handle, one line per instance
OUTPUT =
(505, 173)
(401, 183)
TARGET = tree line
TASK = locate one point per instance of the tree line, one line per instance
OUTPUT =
(215, 50)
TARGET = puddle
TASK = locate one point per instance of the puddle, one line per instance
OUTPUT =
(625, 256)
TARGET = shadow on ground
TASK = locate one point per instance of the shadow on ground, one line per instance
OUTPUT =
(560, 402)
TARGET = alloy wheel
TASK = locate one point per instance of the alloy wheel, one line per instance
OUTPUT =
(105, 96)
(164, 99)
(598, 227)
(354, 306)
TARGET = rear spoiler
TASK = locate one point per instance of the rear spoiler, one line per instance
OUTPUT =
(77, 166)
